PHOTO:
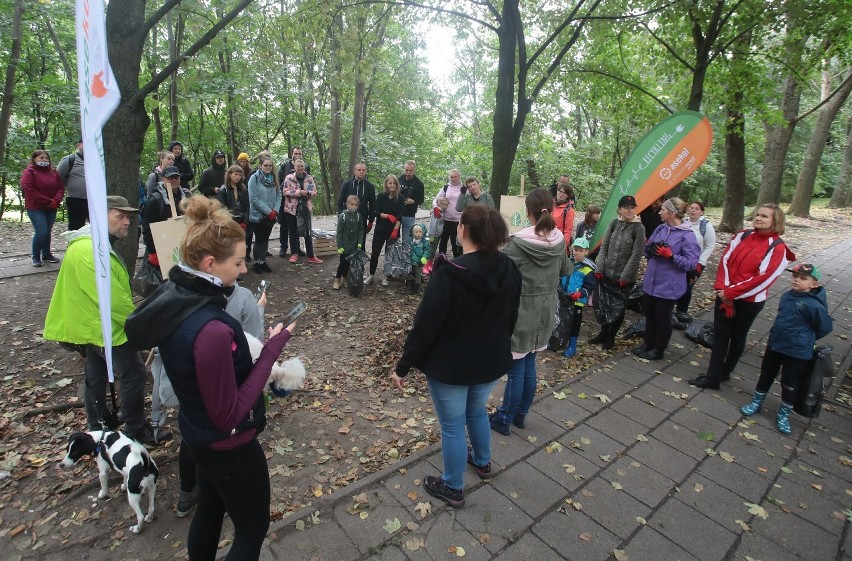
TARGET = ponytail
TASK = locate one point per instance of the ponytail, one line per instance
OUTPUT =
(540, 207)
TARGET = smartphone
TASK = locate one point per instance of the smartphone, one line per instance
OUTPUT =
(262, 287)
(297, 310)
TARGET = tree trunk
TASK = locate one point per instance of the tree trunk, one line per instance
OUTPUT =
(334, 171)
(503, 147)
(70, 75)
(840, 197)
(735, 173)
(357, 115)
(175, 34)
(801, 205)
(9, 84)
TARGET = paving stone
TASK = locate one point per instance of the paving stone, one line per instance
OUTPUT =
(758, 547)
(650, 545)
(553, 465)
(627, 369)
(588, 403)
(681, 438)
(816, 506)
(616, 426)
(488, 512)
(440, 533)
(712, 403)
(831, 440)
(368, 534)
(705, 539)
(613, 509)
(748, 485)
(824, 459)
(401, 484)
(639, 481)
(639, 411)
(633, 364)
(528, 488)
(389, 553)
(599, 445)
(699, 422)
(666, 382)
(560, 411)
(663, 458)
(752, 455)
(562, 533)
(714, 501)
(608, 385)
(325, 541)
(836, 424)
(795, 534)
(654, 396)
(832, 486)
(530, 548)
(686, 371)
(539, 427)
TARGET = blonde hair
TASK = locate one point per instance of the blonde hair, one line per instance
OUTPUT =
(680, 206)
(395, 179)
(778, 218)
(210, 230)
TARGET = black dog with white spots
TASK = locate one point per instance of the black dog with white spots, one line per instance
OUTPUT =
(128, 457)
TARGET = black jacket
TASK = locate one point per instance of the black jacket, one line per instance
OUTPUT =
(411, 189)
(211, 179)
(157, 209)
(187, 174)
(239, 205)
(463, 328)
(366, 193)
(386, 205)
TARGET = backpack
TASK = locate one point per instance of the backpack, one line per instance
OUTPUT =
(775, 242)
(702, 226)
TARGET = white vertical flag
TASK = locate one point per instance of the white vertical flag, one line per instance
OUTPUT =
(99, 96)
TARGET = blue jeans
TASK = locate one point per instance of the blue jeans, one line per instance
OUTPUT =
(42, 221)
(520, 389)
(457, 407)
(407, 225)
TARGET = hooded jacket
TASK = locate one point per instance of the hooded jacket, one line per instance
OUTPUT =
(41, 186)
(474, 295)
(212, 178)
(802, 319)
(582, 280)
(541, 261)
(291, 187)
(187, 174)
(419, 249)
(74, 315)
(666, 277)
(452, 193)
(750, 264)
(411, 189)
(366, 193)
(350, 231)
(236, 200)
(621, 250)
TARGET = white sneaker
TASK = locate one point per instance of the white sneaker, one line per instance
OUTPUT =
(336, 285)
(368, 278)
(385, 281)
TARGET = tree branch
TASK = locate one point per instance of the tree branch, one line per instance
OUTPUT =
(157, 16)
(626, 83)
(437, 9)
(155, 82)
(668, 47)
(552, 37)
(828, 98)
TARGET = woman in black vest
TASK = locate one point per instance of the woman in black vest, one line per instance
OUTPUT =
(221, 411)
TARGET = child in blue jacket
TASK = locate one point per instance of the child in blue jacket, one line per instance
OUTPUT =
(579, 287)
(802, 319)
(420, 252)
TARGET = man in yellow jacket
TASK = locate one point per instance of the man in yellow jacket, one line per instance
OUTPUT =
(74, 317)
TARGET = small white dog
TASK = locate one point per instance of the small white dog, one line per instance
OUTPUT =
(286, 376)
(116, 451)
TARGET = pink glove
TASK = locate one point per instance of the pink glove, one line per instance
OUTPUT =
(599, 276)
(621, 283)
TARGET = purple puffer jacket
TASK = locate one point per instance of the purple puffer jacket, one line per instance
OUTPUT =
(666, 277)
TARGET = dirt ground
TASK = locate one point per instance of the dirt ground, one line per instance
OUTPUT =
(347, 422)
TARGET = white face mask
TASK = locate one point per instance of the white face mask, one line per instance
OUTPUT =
(43, 164)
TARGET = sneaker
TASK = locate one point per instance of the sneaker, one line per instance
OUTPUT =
(149, 437)
(336, 285)
(520, 421)
(385, 281)
(50, 259)
(316, 260)
(269, 254)
(266, 268)
(257, 268)
(36, 262)
(368, 278)
(436, 487)
(484, 472)
(294, 258)
(186, 501)
(499, 425)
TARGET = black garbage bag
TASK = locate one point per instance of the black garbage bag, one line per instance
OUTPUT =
(701, 332)
(610, 300)
(397, 259)
(357, 262)
(810, 391)
(634, 298)
(681, 320)
(636, 329)
(562, 321)
(146, 280)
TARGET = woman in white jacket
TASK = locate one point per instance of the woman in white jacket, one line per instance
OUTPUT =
(706, 236)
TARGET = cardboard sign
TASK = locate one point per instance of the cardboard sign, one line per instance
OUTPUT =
(168, 236)
(513, 209)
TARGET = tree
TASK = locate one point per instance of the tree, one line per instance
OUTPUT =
(840, 196)
(9, 89)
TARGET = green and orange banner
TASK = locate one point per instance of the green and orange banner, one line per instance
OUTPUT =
(667, 155)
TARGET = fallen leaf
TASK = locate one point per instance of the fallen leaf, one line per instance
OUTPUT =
(414, 544)
(484, 539)
(809, 470)
(582, 395)
(785, 469)
(616, 485)
(300, 524)
(585, 536)
(757, 510)
(456, 550)
(585, 440)
(641, 438)
(559, 395)
(603, 397)
(412, 496)
(698, 487)
(726, 456)
(569, 468)
(693, 363)
(423, 509)
(641, 520)
(619, 555)
(708, 436)
(553, 447)
(604, 457)
(532, 438)
(392, 526)
(816, 486)
(748, 436)
(743, 525)
(363, 515)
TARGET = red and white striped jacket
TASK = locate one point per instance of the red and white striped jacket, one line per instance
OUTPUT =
(750, 264)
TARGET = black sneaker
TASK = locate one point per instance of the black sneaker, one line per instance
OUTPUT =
(266, 268)
(151, 437)
(484, 472)
(186, 501)
(50, 259)
(437, 487)
(258, 269)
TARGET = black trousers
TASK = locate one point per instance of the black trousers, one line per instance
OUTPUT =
(262, 231)
(729, 336)
(78, 212)
(449, 233)
(380, 238)
(292, 228)
(683, 302)
(658, 321)
(577, 320)
(236, 482)
(792, 372)
(342, 267)
(249, 238)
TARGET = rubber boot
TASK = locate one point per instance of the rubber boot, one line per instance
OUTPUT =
(783, 418)
(571, 349)
(755, 405)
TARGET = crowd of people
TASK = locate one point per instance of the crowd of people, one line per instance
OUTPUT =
(503, 287)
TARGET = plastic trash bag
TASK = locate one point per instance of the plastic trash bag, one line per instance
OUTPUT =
(635, 297)
(562, 321)
(147, 279)
(357, 262)
(636, 329)
(700, 332)
(610, 301)
(680, 320)
(810, 391)
(397, 259)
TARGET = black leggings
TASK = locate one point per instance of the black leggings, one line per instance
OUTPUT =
(792, 371)
(683, 302)
(729, 336)
(186, 468)
(380, 238)
(449, 233)
(292, 227)
(236, 482)
(342, 267)
(577, 321)
(658, 321)
(261, 230)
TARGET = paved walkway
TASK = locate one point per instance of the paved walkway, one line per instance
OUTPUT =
(646, 468)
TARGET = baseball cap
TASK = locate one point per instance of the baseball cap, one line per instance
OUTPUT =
(218, 153)
(807, 269)
(119, 203)
(171, 171)
(581, 242)
(626, 200)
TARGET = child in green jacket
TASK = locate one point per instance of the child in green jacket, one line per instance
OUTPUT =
(419, 255)
(350, 232)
